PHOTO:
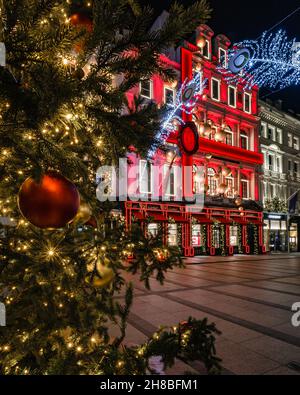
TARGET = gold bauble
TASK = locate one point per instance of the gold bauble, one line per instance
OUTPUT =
(208, 156)
(241, 208)
(84, 214)
(238, 201)
(200, 125)
(242, 214)
(100, 274)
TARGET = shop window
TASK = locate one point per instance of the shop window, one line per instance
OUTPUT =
(153, 230)
(172, 234)
(232, 96)
(196, 235)
(146, 89)
(215, 89)
(169, 95)
(234, 236)
(216, 237)
(247, 102)
(145, 177)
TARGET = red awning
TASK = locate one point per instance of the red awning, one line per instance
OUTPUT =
(239, 220)
(178, 218)
(202, 219)
(223, 220)
(157, 217)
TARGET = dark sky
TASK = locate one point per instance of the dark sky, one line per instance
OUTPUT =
(247, 19)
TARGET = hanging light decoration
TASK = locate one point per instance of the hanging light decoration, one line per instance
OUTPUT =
(220, 135)
(201, 42)
(238, 201)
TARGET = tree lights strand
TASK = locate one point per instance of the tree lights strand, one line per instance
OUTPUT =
(186, 99)
(273, 62)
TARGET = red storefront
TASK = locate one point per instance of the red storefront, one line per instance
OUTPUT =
(226, 117)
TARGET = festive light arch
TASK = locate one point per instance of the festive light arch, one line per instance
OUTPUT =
(272, 61)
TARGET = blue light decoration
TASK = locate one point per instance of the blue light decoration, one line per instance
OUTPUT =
(186, 99)
(272, 61)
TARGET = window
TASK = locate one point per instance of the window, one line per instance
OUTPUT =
(272, 191)
(296, 143)
(247, 102)
(212, 182)
(229, 137)
(244, 141)
(215, 237)
(215, 89)
(289, 166)
(146, 89)
(196, 235)
(271, 132)
(230, 186)
(233, 236)
(271, 162)
(290, 140)
(263, 130)
(145, 177)
(232, 96)
(296, 169)
(206, 49)
(169, 96)
(245, 189)
(153, 230)
(223, 57)
(169, 181)
(172, 234)
(279, 164)
(279, 136)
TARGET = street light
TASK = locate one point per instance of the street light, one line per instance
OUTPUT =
(288, 219)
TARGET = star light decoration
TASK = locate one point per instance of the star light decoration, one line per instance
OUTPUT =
(272, 61)
(186, 99)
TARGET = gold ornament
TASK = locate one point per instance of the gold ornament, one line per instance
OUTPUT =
(241, 208)
(84, 214)
(238, 201)
(207, 129)
(208, 156)
(100, 275)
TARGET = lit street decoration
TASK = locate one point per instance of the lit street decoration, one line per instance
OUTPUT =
(186, 100)
(272, 61)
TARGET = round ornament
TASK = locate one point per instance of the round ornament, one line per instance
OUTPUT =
(189, 92)
(100, 274)
(50, 203)
(188, 138)
(239, 60)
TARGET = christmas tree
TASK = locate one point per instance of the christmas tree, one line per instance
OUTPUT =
(63, 253)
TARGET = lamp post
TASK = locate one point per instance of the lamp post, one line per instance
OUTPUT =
(288, 219)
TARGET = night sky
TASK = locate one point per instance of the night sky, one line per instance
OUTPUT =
(247, 19)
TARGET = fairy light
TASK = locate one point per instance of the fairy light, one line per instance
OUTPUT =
(174, 111)
(274, 62)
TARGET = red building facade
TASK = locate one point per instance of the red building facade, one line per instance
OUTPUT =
(227, 121)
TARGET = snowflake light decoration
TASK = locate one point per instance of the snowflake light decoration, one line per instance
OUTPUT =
(186, 100)
(273, 61)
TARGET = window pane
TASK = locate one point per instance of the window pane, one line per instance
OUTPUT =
(146, 89)
(215, 89)
(169, 96)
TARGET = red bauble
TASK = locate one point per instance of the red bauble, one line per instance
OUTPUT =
(82, 21)
(50, 203)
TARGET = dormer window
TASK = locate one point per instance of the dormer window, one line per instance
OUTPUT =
(206, 49)
(223, 57)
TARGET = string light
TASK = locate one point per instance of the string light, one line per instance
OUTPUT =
(274, 62)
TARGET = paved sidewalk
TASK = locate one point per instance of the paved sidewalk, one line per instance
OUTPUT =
(248, 297)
